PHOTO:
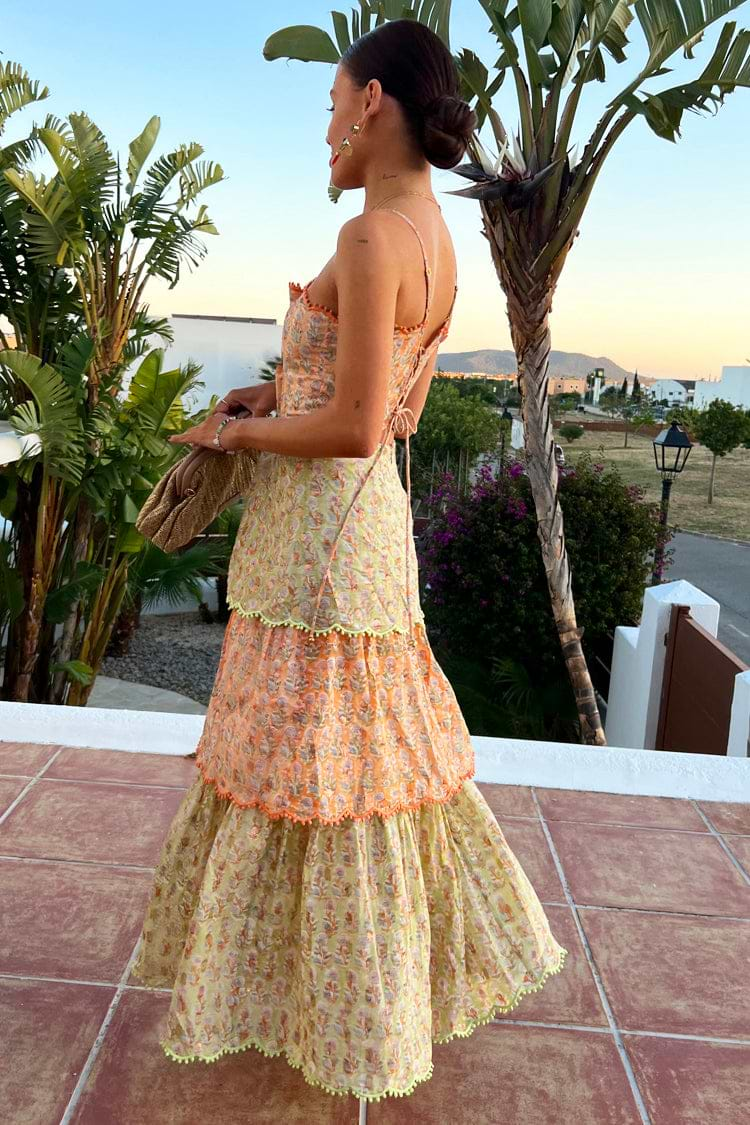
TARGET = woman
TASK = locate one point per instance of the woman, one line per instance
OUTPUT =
(334, 886)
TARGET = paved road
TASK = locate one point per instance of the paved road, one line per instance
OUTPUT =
(722, 569)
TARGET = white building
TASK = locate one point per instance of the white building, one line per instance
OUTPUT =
(672, 390)
(230, 349)
(734, 387)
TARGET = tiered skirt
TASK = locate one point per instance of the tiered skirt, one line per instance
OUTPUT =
(334, 887)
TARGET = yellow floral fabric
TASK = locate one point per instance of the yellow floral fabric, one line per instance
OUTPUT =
(349, 948)
(291, 518)
(331, 726)
(296, 507)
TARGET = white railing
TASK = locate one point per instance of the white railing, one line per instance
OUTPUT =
(638, 670)
(507, 761)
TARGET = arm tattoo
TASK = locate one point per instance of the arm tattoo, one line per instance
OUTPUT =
(362, 240)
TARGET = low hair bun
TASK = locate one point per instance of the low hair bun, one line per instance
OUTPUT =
(447, 125)
(414, 66)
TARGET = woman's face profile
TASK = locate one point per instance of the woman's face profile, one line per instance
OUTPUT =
(347, 108)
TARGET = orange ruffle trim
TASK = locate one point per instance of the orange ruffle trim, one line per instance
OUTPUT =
(222, 791)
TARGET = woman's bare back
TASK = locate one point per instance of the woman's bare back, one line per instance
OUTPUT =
(410, 303)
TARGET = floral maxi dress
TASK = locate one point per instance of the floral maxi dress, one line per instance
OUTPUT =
(334, 887)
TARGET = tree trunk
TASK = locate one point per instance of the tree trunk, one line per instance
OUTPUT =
(711, 480)
(532, 353)
(104, 612)
(82, 530)
(123, 631)
(26, 508)
(529, 306)
(44, 528)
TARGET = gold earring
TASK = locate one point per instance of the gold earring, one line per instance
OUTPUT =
(345, 148)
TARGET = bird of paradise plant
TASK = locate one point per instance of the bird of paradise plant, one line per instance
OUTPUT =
(77, 249)
(533, 193)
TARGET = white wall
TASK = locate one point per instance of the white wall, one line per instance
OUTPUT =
(734, 386)
(557, 765)
(638, 670)
(13, 445)
(231, 352)
(670, 389)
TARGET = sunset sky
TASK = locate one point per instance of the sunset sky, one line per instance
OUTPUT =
(658, 278)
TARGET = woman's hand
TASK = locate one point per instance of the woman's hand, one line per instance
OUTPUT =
(203, 434)
(258, 401)
(243, 402)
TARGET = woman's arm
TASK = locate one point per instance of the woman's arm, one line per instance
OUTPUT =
(351, 423)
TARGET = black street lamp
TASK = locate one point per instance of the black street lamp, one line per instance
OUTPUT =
(671, 450)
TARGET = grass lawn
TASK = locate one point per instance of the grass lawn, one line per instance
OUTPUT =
(689, 509)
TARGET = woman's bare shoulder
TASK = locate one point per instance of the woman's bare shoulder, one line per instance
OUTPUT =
(371, 228)
(365, 249)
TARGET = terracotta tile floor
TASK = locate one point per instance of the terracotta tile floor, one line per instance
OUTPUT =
(648, 1022)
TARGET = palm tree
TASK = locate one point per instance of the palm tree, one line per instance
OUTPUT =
(76, 252)
(533, 194)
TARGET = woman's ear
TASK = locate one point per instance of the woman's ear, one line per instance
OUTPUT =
(374, 97)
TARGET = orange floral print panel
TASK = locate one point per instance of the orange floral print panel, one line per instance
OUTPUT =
(327, 726)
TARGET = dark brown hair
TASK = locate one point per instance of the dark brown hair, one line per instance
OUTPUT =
(416, 68)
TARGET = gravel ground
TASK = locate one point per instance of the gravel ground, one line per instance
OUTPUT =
(176, 651)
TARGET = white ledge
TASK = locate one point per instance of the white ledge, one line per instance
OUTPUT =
(558, 765)
(13, 444)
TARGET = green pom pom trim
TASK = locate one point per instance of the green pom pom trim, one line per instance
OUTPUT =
(501, 1009)
(240, 609)
(391, 1091)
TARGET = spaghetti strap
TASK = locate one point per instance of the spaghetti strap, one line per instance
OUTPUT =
(427, 270)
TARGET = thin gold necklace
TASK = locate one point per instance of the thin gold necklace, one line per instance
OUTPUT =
(398, 193)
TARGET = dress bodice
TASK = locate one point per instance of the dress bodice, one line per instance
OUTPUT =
(326, 542)
(306, 379)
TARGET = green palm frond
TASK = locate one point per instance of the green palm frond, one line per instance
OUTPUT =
(75, 358)
(728, 68)
(196, 177)
(17, 90)
(139, 151)
(159, 176)
(54, 227)
(156, 575)
(51, 413)
(174, 244)
(155, 397)
(83, 160)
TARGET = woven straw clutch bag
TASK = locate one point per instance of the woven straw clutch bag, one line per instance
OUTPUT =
(193, 493)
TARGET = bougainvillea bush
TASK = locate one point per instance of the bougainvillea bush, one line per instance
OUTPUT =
(485, 596)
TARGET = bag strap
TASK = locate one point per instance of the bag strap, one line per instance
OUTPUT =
(401, 417)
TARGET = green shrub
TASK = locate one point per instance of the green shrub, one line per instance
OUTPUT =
(484, 590)
(570, 432)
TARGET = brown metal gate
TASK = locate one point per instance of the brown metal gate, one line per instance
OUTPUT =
(697, 689)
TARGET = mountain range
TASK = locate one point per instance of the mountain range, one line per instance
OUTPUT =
(492, 361)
